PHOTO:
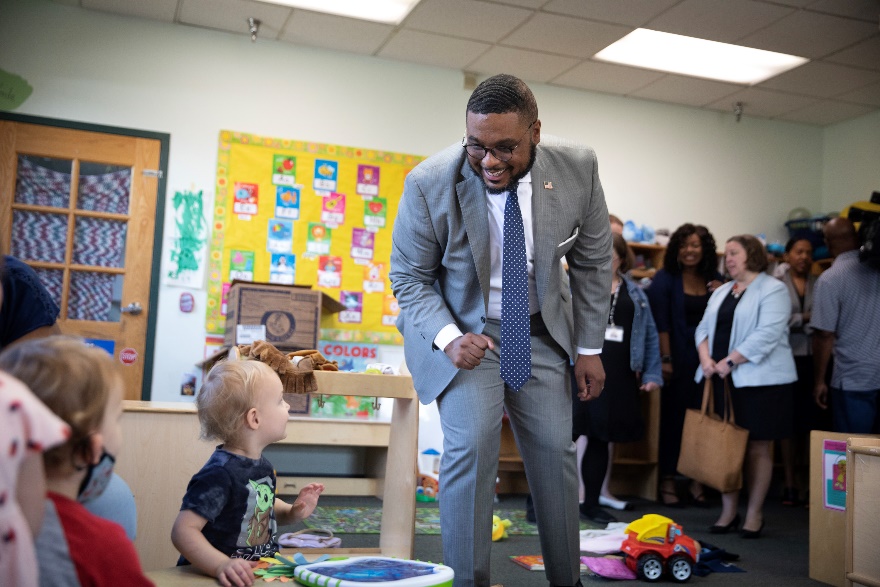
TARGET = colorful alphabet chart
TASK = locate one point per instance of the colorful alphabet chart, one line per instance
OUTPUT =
(313, 214)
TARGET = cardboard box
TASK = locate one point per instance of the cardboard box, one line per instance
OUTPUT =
(287, 316)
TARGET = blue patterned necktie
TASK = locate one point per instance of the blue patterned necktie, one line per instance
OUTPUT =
(516, 345)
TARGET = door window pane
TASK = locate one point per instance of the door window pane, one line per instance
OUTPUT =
(38, 236)
(53, 281)
(43, 181)
(99, 242)
(94, 296)
(104, 188)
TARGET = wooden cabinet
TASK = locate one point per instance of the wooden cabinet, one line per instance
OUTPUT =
(862, 511)
(635, 469)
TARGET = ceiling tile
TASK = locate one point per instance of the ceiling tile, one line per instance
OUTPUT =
(606, 77)
(685, 90)
(868, 95)
(565, 35)
(432, 49)
(717, 20)
(762, 103)
(822, 80)
(335, 32)
(535, 4)
(810, 34)
(154, 10)
(861, 9)
(232, 15)
(795, 3)
(865, 54)
(632, 13)
(826, 112)
(470, 19)
(529, 65)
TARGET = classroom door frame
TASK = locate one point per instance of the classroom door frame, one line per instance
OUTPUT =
(164, 140)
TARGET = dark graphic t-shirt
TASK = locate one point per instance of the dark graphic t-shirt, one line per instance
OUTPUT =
(236, 495)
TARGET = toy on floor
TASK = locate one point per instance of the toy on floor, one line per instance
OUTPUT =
(655, 544)
(281, 567)
(499, 528)
(375, 570)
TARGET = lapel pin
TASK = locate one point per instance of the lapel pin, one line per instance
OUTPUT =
(548, 185)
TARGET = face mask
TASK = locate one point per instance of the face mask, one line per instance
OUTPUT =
(97, 478)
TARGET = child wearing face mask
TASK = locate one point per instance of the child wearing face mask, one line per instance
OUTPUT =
(230, 513)
(80, 384)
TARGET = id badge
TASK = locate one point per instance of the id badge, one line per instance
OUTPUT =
(614, 333)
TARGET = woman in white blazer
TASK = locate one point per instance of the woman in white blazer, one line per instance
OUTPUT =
(743, 337)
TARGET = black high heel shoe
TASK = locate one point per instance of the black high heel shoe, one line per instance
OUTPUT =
(751, 534)
(733, 525)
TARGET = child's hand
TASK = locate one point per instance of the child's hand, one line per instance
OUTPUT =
(307, 500)
(236, 572)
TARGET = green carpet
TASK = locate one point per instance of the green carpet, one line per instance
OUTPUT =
(367, 520)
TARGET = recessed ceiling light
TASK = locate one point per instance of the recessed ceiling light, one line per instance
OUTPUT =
(387, 11)
(698, 57)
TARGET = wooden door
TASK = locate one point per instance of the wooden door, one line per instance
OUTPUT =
(80, 208)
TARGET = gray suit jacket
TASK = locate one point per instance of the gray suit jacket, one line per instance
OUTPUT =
(440, 254)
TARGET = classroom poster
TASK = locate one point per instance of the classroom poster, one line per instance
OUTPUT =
(315, 214)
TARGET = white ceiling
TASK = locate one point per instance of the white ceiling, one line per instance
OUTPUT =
(552, 41)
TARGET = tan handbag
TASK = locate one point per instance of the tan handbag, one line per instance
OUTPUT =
(713, 448)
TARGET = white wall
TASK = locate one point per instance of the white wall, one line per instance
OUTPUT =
(660, 164)
(851, 163)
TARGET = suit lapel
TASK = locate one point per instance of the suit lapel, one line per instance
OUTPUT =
(474, 211)
(543, 223)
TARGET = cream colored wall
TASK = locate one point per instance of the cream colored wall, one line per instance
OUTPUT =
(660, 164)
(851, 162)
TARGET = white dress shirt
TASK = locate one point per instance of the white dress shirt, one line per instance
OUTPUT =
(496, 204)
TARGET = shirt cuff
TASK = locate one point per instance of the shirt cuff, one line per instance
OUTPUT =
(446, 335)
(583, 351)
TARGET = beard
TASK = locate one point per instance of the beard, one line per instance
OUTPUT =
(514, 181)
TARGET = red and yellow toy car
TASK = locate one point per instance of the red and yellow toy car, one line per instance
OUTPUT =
(655, 544)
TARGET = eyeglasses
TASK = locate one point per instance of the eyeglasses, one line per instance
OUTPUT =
(503, 154)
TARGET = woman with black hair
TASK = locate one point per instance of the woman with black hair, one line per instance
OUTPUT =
(678, 294)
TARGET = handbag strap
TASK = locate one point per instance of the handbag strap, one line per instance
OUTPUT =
(728, 400)
(707, 392)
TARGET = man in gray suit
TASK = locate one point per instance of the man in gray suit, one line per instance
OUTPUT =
(478, 345)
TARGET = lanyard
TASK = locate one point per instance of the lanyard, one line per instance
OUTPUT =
(614, 302)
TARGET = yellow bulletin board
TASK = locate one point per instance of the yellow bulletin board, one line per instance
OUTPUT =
(296, 212)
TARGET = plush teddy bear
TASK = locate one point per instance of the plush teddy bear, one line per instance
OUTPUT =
(296, 376)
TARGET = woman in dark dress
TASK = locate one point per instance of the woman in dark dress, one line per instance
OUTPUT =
(631, 359)
(678, 295)
(743, 339)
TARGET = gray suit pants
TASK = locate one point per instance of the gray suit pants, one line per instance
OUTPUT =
(540, 416)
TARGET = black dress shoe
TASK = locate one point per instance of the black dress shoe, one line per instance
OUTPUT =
(596, 514)
(733, 525)
(752, 534)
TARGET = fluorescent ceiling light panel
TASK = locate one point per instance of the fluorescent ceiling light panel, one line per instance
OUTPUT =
(697, 57)
(387, 11)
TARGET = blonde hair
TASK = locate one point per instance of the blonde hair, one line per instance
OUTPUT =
(229, 391)
(73, 379)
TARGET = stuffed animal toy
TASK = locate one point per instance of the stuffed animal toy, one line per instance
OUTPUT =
(297, 375)
(499, 528)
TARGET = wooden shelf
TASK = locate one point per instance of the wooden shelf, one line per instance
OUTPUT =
(635, 469)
